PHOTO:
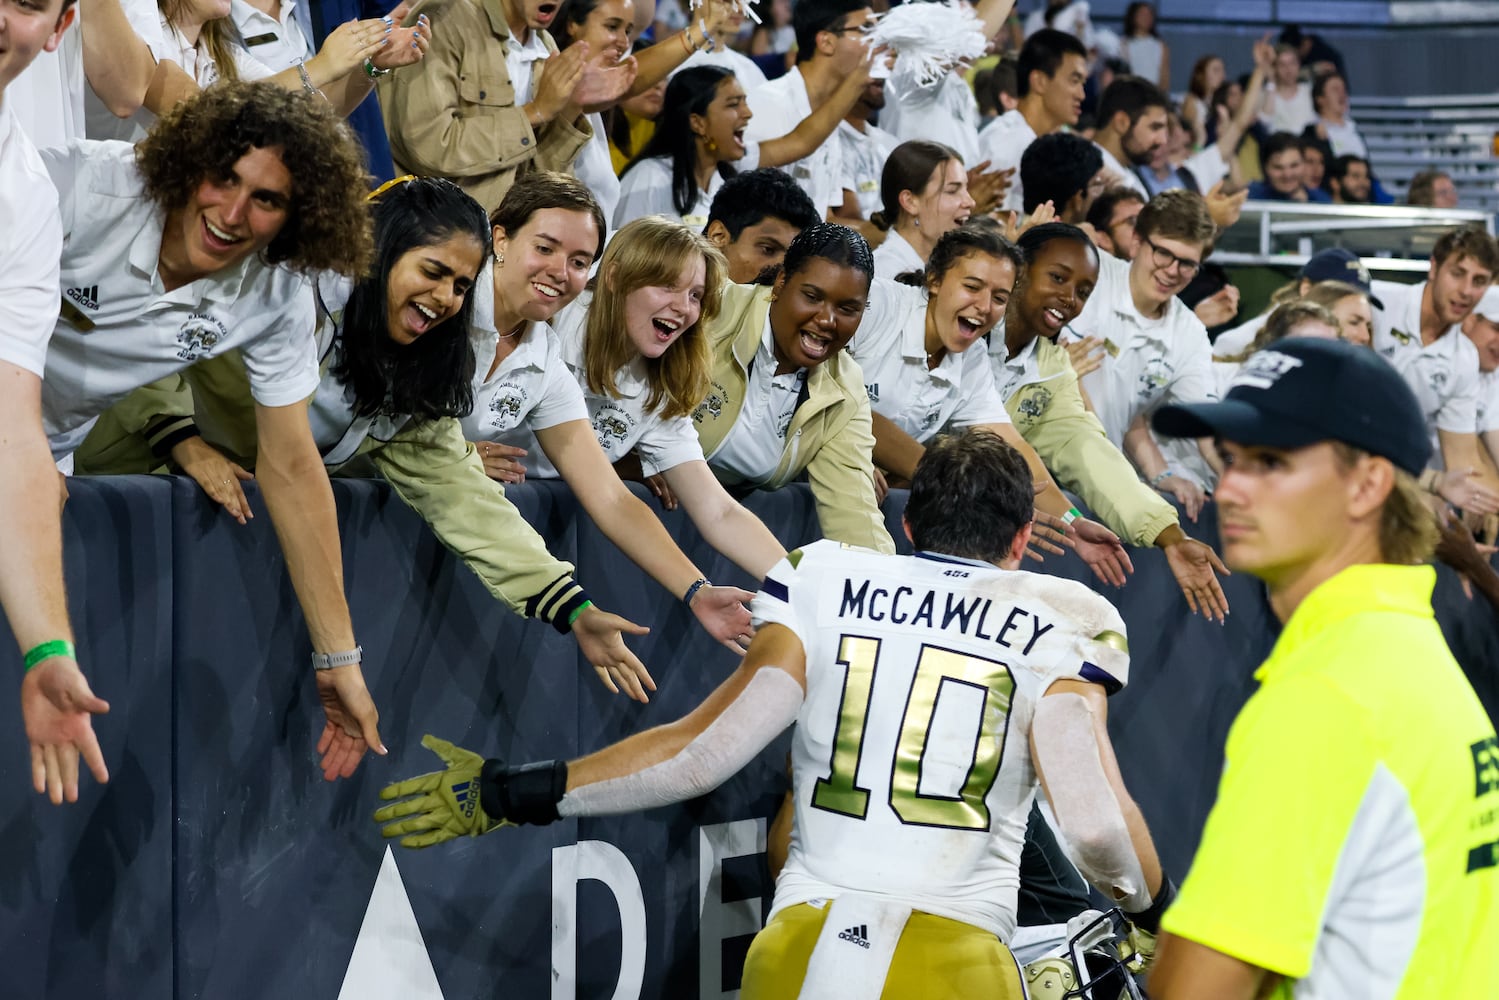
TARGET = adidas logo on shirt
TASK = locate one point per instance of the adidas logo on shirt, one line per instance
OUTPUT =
(86, 297)
(859, 935)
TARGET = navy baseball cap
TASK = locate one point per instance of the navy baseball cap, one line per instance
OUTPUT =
(1300, 391)
(1338, 264)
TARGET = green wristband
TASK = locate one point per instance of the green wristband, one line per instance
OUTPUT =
(1071, 515)
(578, 611)
(47, 650)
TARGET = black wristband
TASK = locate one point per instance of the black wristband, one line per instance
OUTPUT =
(1149, 919)
(527, 794)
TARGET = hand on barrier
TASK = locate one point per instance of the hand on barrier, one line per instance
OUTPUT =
(1102, 550)
(57, 709)
(438, 806)
(215, 475)
(1194, 565)
(724, 614)
(351, 726)
(658, 485)
(1186, 492)
(502, 462)
(602, 642)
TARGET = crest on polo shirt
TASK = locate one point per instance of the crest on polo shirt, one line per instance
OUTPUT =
(199, 335)
(712, 406)
(611, 424)
(508, 404)
(1264, 369)
(1034, 403)
(1154, 377)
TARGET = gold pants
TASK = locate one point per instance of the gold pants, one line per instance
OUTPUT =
(935, 959)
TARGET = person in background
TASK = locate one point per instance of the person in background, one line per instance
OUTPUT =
(1350, 181)
(866, 148)
(1244, 158)
(1051, 75)
(753, 219)
(785, 397)
(1132, 127)
(57, 704)
(1333, 124)
(1334, 264)
(1196, 110)
(1482, 328)
(1288, 99)
(774, 35)
(1040, 390)
(924, 191)
(1313, 51)
(1065, 171)
(1285, 173)
(997, 91)
(1112, 219)
(1319, 500)
(1315, 157)
(1432, 189)
(1141, 46)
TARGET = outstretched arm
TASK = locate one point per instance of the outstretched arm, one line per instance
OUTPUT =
(724, 521)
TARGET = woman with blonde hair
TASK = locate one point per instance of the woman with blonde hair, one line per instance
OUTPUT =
(641, 381)
(547, 234)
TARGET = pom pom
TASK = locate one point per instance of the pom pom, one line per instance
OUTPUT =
(929, 39)
(746, 7)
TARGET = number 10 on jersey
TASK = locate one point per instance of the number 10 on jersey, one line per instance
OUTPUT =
(936, 669)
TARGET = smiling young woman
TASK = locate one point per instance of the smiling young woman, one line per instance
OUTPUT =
(785, 398)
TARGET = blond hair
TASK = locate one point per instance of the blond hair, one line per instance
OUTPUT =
(216, 38)
(1284, 319)
(652, 251)
(1408, 531)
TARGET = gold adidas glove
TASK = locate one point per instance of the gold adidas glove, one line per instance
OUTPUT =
(439, 806)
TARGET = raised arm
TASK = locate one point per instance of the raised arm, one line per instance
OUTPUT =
(813, 130)
(117, 62)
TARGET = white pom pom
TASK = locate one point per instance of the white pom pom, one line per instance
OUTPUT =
(746, 7)
(929, 39)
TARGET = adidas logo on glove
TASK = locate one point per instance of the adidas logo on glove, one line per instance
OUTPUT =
(858, 935)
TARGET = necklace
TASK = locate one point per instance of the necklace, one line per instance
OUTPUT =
(513, 333)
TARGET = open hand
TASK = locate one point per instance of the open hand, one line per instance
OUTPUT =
(724, 614)
(603, 82)
(352, 718)
(1086, 355)
(600, 638)
(438, 806)
(1102, 550)
(1194, 565)
(57, 710)
(404, 46)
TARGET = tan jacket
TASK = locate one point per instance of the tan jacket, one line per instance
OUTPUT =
(1051, 416)
(429, 465)
(454, 115)
(829, 436)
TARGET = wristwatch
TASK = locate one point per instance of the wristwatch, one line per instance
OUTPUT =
(327, 661)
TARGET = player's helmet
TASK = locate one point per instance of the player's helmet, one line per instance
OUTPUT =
(1104, 951)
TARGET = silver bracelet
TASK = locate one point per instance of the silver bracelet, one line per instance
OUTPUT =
(307, 80)
(327, 661)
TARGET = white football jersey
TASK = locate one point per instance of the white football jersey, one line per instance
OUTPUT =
(911, 761)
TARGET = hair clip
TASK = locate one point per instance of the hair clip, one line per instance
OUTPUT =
(397, 182)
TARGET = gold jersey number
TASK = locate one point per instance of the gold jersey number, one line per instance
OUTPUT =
(936, 668)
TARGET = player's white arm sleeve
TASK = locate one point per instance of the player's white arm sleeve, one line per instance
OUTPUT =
(768, 704)
(1065, 739)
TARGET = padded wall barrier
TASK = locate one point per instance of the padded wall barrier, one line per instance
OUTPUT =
(218, 864)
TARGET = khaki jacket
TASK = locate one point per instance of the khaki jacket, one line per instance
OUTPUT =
(429, 465)
(1050, 415)
(829, 436)
(454, 115)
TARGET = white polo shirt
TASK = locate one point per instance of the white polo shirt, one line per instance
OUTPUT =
(895, 257)
(520, 60)
(1443, 374)
(891, 350)
(1125, 176)
(1488, 402)
(944, 111)
(645, 189)
(531, 390)
(30, 247)
(1003, 142)
(1288, 115)
(277, 43)
(120, 329)
(864, 156)
(1232, 343)
(47, 97)
(170, 45)
(621, 424)
(779, 107)
(595, 169)
(1344, 138)
(751, 451)
(1146, 361)
(749, 75)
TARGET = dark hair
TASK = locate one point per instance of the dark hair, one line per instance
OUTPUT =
(1338, 168)
(809, 18)
(1056, 167)
(1319, 85)
(1045, 51)
(1033, 239)
(1102, 209)
(1131, 94)
(747, 198)
(909, 167)
(1280, 142)
(1471, 240)
(433, 376)
(1129, 18)
(543, 189)
(571, 12)
(689, 93)
(327, 227)
(827, 241)
(999, 80)
(976, 236)
(971, 495)
(1198, 84)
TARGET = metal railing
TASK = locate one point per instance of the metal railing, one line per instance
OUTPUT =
(1389, 238)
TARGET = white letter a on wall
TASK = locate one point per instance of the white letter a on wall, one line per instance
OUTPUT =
(390, 960)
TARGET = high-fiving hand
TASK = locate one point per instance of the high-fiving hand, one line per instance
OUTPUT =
(438, 806)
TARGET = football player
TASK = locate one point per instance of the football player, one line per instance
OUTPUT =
(932, 695)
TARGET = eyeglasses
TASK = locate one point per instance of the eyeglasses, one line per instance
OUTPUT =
(1164, 258)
